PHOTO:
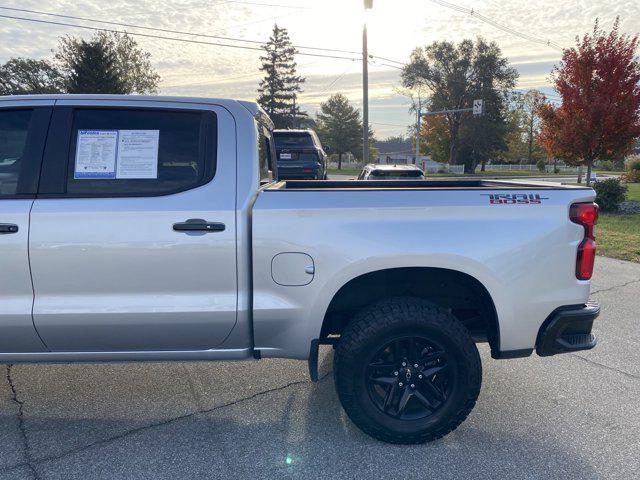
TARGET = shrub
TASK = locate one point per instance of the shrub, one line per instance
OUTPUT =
(610, 193)
(541, 165)
(633, 169)
(606, 165)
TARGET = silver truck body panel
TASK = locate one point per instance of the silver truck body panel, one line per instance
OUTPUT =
(524, 255)
(113, 281)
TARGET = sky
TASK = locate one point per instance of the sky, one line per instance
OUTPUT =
(395, 28)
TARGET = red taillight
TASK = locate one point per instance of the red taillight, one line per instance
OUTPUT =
(585, 214)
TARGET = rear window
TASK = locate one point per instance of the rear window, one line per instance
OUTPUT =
(293, 140)
(396, 174)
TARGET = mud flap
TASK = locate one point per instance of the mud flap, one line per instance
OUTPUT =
(313, 359)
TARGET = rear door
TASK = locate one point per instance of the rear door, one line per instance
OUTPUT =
(133, 243)
(23, 131)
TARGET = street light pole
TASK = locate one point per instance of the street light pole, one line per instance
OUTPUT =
(419, 113)
(368, 4)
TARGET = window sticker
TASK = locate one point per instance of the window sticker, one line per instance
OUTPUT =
(96, 154)
(137, 154)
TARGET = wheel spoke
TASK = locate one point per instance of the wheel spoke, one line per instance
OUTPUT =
(430, 372)
(381, 365)
(388, 398)
(431, 392)
(424, 400)
(404, 399)
(432, 356)
(384, 380)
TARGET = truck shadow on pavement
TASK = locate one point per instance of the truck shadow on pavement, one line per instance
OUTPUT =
(292, 430)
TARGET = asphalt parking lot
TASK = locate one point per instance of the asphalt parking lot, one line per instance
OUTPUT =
(569, 416)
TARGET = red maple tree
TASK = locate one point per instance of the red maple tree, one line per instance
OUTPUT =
(599, 83)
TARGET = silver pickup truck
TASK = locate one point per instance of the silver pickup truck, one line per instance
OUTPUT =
(148, 228)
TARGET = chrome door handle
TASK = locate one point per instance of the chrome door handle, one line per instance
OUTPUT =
(198, 225)
(6, 228)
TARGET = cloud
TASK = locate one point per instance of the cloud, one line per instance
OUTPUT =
(395, 28)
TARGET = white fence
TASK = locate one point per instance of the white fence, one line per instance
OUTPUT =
(526, 168)
(444, 168)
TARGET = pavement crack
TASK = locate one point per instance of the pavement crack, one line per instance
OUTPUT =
(607, 367)
(143, 428)
(21, 426)
(608, 289)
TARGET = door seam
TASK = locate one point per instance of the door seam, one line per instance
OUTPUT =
(33, 287)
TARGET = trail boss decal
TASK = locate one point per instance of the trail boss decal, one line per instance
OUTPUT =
(514, 198)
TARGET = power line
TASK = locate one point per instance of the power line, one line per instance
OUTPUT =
(387, 60)
(175, 39)
(192, 34)
(490, 21)
(165, 30)
(386, 64)
(335, 80)
(389, 124)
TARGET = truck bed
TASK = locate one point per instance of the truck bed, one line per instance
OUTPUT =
(441, 183)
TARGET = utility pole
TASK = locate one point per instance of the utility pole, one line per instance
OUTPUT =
(368, 4)
(419, 113)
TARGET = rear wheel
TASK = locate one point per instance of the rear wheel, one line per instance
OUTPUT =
(407, 371)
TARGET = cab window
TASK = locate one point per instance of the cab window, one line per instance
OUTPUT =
(139, 152)
(22, 136)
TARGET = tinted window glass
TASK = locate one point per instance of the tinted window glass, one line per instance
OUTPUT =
(266, 153)
(14, 127)
(175, 151)
(293, 140)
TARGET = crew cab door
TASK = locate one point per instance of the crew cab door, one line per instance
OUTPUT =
(23, 130)
(133, 233)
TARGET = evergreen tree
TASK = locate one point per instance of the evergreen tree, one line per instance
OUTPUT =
(278, 90)
(339, 127)
(106, 63)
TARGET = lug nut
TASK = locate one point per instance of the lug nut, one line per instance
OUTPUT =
(413, 386)
(400, 384)
(415, 366)
(420, 376)
(395, 373)
(404, 364)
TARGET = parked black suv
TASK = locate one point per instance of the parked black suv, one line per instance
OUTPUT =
(300, 155)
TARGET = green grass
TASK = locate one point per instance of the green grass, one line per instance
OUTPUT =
(633, 191)
(618, 236)
(608, 172)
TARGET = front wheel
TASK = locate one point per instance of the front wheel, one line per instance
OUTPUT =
(407, 371)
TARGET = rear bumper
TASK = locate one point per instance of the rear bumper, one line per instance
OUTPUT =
(568, 329)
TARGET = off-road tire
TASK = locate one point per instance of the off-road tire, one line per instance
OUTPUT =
(383, 321)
